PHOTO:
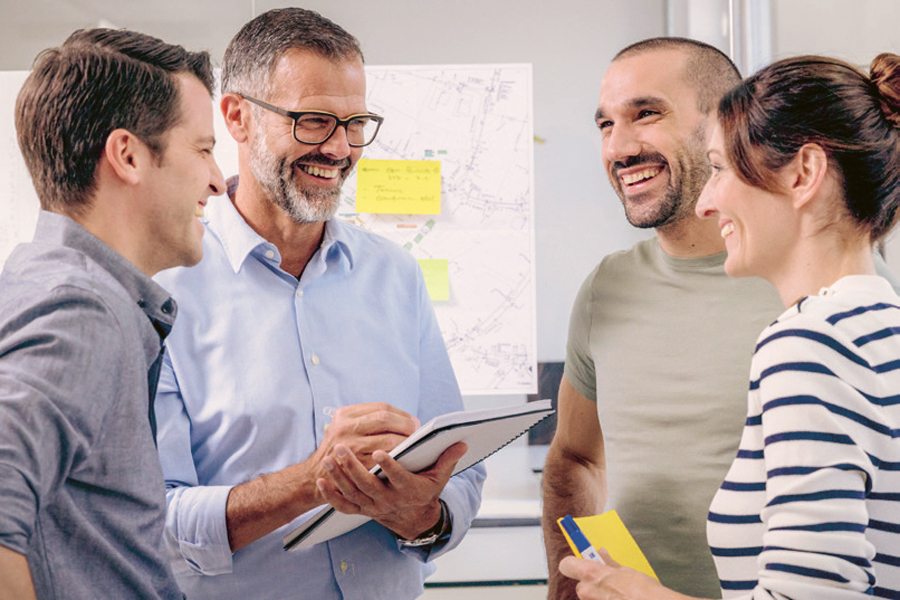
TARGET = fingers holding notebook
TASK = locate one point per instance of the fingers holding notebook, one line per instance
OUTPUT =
(406, 503)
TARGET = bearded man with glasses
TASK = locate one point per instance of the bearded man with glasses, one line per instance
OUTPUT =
(306, 349)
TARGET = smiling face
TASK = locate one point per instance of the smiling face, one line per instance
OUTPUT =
(305, 181)
(654, 137)
(759, 227)
(180, 185)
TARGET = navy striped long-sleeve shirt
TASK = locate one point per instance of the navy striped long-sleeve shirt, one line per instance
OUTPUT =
(810, 508)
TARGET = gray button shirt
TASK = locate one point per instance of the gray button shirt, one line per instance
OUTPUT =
(81, 491)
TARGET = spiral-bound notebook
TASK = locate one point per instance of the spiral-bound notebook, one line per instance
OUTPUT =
(483, 431)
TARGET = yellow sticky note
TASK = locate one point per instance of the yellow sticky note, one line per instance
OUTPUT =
(407, 187)
(437, 278)
(609, 532)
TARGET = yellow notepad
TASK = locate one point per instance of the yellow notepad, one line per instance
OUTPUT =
(609, 532)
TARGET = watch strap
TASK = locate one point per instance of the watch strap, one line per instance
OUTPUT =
(440, 532)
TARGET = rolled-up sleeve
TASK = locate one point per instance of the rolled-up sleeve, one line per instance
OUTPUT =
(196, 533)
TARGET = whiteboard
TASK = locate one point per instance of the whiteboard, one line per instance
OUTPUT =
(476, 120)
(19, 205)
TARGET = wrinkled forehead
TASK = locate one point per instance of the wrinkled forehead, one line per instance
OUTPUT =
(302, 80)
(656, 75)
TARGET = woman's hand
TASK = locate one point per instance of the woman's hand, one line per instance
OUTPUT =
(612, 581)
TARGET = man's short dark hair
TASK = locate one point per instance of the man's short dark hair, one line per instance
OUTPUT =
(252, 54)
(97, 81)
(708, 70)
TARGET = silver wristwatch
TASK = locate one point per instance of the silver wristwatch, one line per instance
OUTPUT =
(437, 533)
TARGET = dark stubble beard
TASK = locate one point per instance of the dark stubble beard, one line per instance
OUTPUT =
(303, 204)
(681, 194)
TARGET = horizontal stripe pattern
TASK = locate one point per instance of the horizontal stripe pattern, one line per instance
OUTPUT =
(811, 505)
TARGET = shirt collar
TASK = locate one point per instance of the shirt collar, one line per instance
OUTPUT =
(872, 283)
(240, 241)
(336, 242)
(155, 301)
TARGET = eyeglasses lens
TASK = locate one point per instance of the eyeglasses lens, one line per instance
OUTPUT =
(315, 129)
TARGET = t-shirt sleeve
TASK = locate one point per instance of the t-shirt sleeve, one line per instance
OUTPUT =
(579, 369)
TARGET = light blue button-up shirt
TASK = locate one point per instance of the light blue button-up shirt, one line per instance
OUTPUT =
(258, 362)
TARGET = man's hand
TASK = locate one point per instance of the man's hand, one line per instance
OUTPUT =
(363, 429)
(404, 502)
(261, 505)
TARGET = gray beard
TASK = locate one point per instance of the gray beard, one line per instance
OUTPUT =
(276, 176)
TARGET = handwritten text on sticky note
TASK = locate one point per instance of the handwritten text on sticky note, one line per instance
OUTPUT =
(407, 187)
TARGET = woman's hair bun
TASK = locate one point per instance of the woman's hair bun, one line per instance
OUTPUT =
(885, 75)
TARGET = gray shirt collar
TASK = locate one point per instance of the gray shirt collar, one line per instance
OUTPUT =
(156, 302)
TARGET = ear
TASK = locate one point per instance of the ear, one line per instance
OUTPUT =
(806, 174)
(126, 155)
(237, 120)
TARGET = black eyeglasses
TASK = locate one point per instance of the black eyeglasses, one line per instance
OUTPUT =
(315, 127)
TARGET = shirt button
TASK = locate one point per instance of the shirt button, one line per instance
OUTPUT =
(344, 566)
(270, 254)
(315, 359)
(299, 293)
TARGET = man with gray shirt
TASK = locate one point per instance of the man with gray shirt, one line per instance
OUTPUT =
(116, 129)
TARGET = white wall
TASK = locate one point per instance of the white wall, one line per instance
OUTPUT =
(854, 31)
(569, 42)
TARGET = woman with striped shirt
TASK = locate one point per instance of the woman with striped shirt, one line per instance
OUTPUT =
(805, 179)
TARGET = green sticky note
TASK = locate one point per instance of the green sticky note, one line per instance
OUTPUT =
(437, 278)
(406, 187)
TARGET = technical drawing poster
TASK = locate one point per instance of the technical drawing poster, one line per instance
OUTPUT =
(477, 121)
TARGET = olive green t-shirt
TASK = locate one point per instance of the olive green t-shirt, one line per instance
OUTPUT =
(663, 345)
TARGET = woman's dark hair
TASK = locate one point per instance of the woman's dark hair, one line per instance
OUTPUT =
(818, 100)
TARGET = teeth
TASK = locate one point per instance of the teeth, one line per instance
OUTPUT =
(640, 175)
(727, 230)
(319, 172)
(198, 212)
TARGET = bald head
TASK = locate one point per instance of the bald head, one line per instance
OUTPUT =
(706, 70)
